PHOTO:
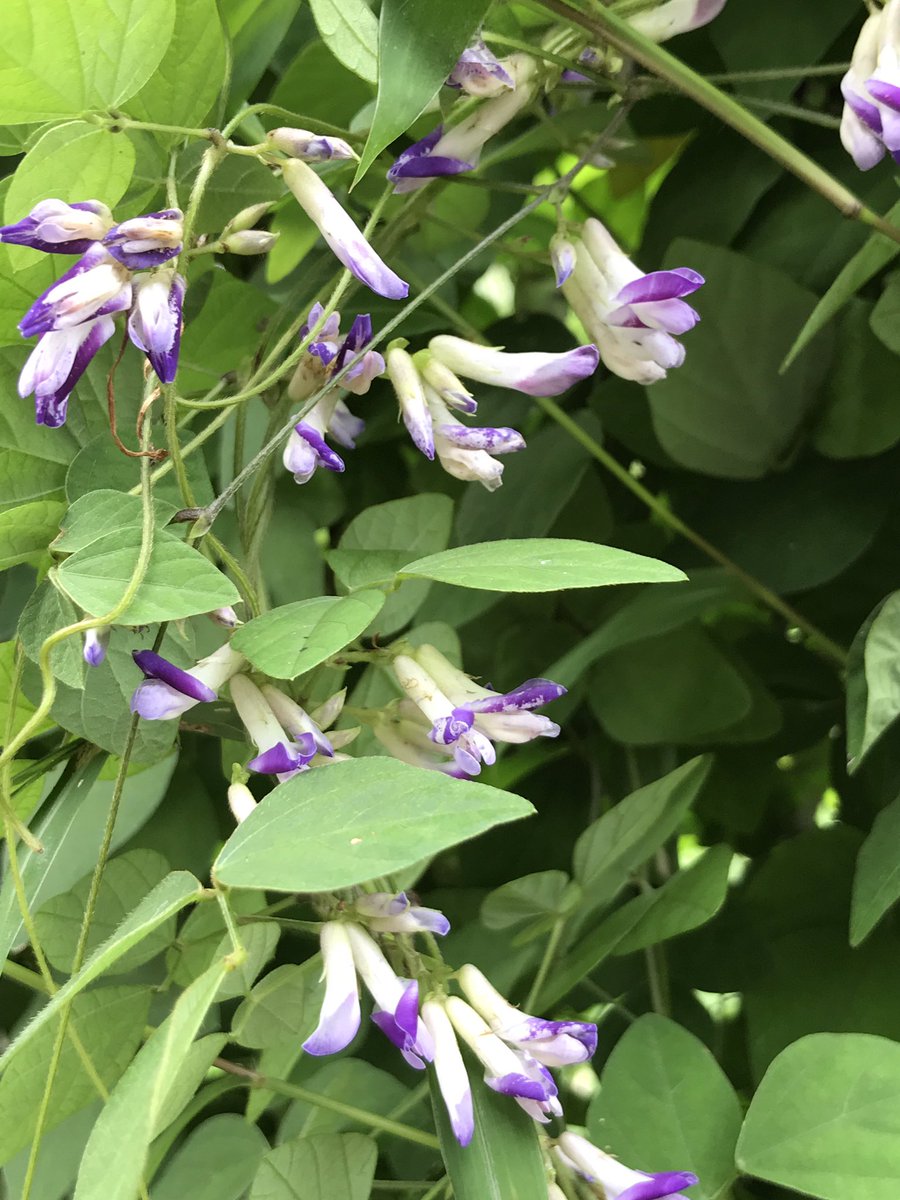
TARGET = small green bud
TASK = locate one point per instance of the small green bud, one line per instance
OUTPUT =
(247, 218)
(249, 241)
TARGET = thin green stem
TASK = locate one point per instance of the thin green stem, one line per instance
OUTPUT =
(780, 108)
(441, 1186)
(238, 952)
(763, 74)
(657, 979)
(24, 975)
(549, 958)
(297, 119)
(170, 399)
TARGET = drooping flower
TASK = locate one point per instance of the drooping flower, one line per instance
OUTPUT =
(452, 1077)
(879, 83)
(147, 241)
(508, 1071)
(552, 1043)
(154, 323)
(296, 720)
(470, 746)
(95, 644)
(168, 691)
(94, 287)
(59, 228)
(339, 1017)
(340, 231)
(280, 753)
(532, 372)
(56, 364)
(459, 149)
(478, 72)
(309, 147)
(618, 1181)
(466, 451)
(396, 1000)
(631, 316)
(410, 392)
(388, 913)
(306, 448)
(861, 124)
(403, 731)
(672, 17)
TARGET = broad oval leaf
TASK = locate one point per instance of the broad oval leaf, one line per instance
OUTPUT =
(103, 511)
(355, 821)
(539, 565)
(330, 1166)
(876, 882)
(350, 31)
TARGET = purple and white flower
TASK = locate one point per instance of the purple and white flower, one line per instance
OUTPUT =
(241, 801)
(396, 1000)
(410, 391)
(617, 1181)
(154, 323)
(147, 241)
(552, 1043)
(478, 72)
(94, 287)
(404, 732)
(563, 257)
(56, 364)
(280, 753)
(340, 231)
(168, 691)
(672, 17)
(534, 373)
(861, 123)
(448, 727)
(632, 317)
(306, 449)
(95, 644)
(226, 617)
(297, 721)
(387, 913)
(465, 451)
(459, 149)
(448, 386)
(452, 1077)
(308, 146)
(508, 1071)
(339, 1017)
(59, 228)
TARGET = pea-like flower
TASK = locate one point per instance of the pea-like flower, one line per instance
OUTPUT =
(154, 323)
(452, 1077)
(59, 228)
(280, 753)
(403, 731)
(340, 231)
(94, 287)
(617, 1181)
(147, 241)
(633, 317)
(870, 123)
(672, 17)
(309, 147)
(95, 644)
(532, 372)
(297, 721)
(168, 691)
(478, 72)
(552, 1043)
(387, 913)
(56, 364)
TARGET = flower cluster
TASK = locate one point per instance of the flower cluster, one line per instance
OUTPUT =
(427, 386)
(634, 318)
(121, 268)
(870, 124)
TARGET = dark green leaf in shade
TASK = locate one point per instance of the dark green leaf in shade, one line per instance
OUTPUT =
(329, 1166)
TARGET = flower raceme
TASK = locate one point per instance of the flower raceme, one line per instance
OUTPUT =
(154, 324)
(617, 1181)
(633, 317)
(59, 228)
(870, 124)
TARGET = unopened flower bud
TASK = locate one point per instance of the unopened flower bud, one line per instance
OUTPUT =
(226, 617)
(311, 147)
(247, 218)
(249, 241)
(241, 801)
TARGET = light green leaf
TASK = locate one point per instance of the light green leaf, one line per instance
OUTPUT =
(217, 1161)
(25, 477)
(295, 638)
(110, 1022)
(177, 890)
(24, 709)
(351, 1080)
(350, 31)
(100, 512)
(46, 611)
(257, 29)
(201, 935)
(179, 581)
(113, 1162)
(825, 1120)
(876, 882)
(418, 46)
(259, 941)
(283, 1008)
(186, 83)
(189, 1073)
(70, 56)
(665, 1104)
(27, 530)
(331, 1166)
(525, 899)
(357, 820)
(539, 565)
(125, 882)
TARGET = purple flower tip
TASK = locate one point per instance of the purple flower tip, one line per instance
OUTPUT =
(284, 757)
(154, 666)
(447, 730)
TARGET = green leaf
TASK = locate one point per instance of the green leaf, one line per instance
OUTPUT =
(316, 84)
(24, 709)
(863, 266)
(201, 935)
(876, 882)
(525, 899)
(259, 941)
(825, 1121)
(665, 1104)
(727, 411)
(418, 46)
(126, 880)
(295, 638)
(179, 581)
(873, 689)
(349, 30)
(113, 1162)
(216, 1161)
(283, 1008)
(257, 29)
(101, 512)
(110, 1022)
(503, 1160)
(46, 611)
(188, 1075)
(186, 83)
(352, 1081)
(539, 565)
(215, 341)
(177, 890)
(75, 161)
(357, 820)
(414, 525)
(331, 1166)
(27, 530)
(71, 56)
